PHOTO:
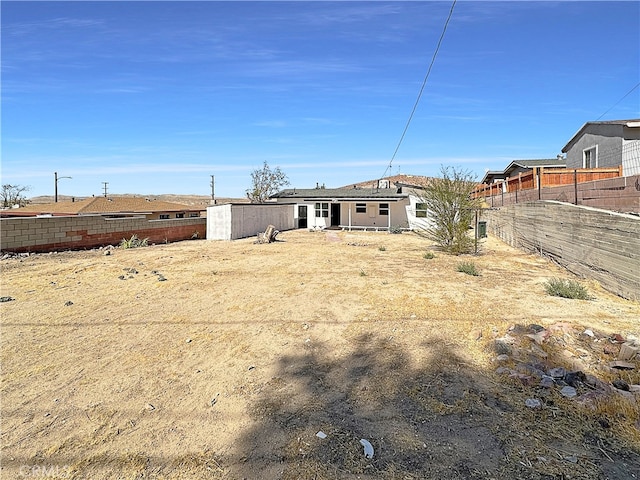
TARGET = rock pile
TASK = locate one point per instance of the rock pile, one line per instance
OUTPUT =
(569, 359)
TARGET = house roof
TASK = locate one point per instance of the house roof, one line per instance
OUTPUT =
(101, 205)
(391, 194)
(631, 123)
(490, 175)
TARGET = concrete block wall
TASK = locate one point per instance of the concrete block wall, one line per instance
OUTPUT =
(46, 234)
(593, 243)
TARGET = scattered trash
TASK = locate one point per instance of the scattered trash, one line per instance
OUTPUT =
(321, 434)
(617, 338)
(588, 332)
(620, 365)
(6, 299)
(149, 407)
(621, 385)
(546, 382)
(533, 403)
(68, 303)
(251, 367)
(368, 448)
(557, 372)
(188, 340)
(627, 351)
(214, 400)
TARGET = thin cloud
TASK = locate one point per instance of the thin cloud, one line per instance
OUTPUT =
(270, 124)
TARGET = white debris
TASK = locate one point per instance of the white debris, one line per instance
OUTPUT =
(368, 448)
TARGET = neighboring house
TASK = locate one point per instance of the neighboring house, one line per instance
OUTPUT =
(522, 166)
(368, 208)
(111, 207)
(606, 144)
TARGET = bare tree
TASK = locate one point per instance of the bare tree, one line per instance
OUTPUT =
(451, 209)
(265, 182)
(11, 195)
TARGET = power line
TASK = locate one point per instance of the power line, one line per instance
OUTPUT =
(616, 104)
(415, 105)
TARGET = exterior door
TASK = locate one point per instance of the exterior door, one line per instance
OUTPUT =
(335, 214)
(302, 216)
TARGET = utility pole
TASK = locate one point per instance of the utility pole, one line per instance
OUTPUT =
(104, 187)
(55, 174)
(213, 196)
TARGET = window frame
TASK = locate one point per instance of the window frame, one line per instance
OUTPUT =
(322, 209)
(361, 208)
(384, 209)
(592, 153)
(421, 210)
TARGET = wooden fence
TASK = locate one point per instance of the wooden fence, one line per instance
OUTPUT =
(539, 178)
(604, 188)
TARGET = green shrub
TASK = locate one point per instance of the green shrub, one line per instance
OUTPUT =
(451, 208)
(469, 268)
(429, 255)
(134, 242)
(382, 248)
(559, 287)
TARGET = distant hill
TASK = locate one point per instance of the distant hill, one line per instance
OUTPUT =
(191, 200)
(392, 181)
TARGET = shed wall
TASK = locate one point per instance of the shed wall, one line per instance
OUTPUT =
(231, 222)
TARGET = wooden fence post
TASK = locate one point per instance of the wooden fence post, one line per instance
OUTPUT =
(540, 173)
(575, 184)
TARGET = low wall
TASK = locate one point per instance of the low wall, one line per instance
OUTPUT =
(593, 243)
(47, 234)
(233, 221)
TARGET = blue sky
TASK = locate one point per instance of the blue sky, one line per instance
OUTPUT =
(156, 96)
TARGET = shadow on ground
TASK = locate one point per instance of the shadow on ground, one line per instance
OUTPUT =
(440, 419)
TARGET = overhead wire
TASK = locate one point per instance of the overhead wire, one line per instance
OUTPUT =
(616, 104)
(424, 83)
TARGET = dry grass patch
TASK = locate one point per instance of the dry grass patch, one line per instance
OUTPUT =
(291, 338)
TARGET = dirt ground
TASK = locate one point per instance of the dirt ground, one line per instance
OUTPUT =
(223, 360)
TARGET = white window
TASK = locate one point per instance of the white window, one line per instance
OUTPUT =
(421, 210)
(322, 210)
(384, 209)
(361, 208)
(164, 216)
(590, 157)
(179, 215)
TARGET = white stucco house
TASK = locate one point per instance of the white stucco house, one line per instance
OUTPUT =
(356, 208)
